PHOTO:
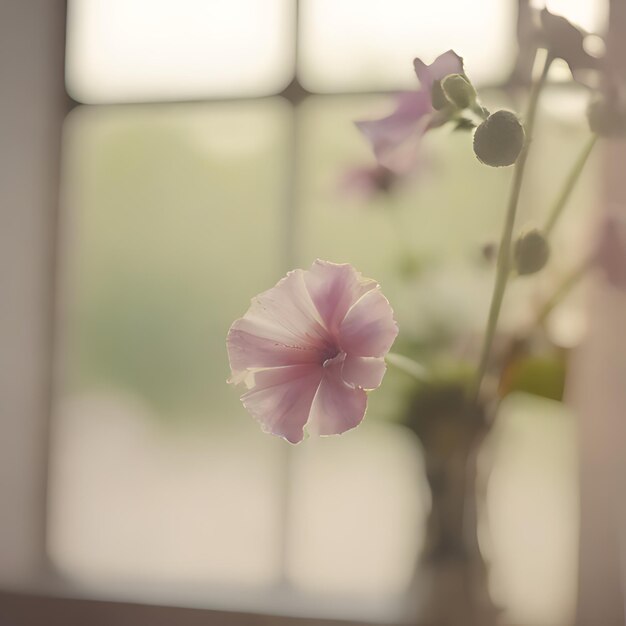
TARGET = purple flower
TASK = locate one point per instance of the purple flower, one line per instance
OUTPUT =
(309, 348)
(395, 138)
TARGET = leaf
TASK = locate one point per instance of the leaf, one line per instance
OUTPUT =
(542, 376)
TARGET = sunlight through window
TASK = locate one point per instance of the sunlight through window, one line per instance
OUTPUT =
(142, 50)
(355, 46)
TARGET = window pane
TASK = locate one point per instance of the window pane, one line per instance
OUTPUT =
(359, 512)
(352, 45)
(534, 512)
(145, 50)
(158, 475)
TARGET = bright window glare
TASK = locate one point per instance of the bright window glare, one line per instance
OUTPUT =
(352, 45)
(140, 50)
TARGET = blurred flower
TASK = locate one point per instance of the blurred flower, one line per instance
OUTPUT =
(309, 348)
(366, 181)
(395, 138)
(563, 40)
(611, 254)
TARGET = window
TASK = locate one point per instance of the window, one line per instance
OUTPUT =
(175, 213)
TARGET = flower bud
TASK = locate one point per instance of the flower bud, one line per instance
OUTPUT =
(438, 97)
(531, 252)
(459, 91)
(499, 140)
(607, 116)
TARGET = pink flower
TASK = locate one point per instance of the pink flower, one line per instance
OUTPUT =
(395, 138)
(309, 348)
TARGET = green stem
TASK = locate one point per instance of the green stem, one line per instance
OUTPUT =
(568, 187)
(503, 269)
(408, 366)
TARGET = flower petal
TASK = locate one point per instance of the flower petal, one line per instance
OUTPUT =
(394, 138)
(281, 399)
(447, 63)
(363, 371)
(337, 407)
(334, 288)
(287, 310)
(368, 328)
(247, 351)
(281, 327)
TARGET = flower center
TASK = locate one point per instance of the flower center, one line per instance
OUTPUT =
(332, 356)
